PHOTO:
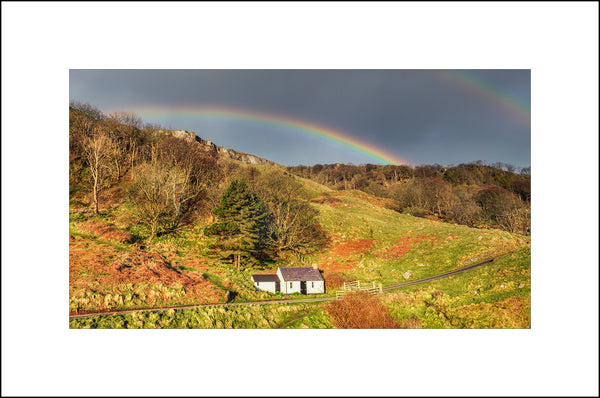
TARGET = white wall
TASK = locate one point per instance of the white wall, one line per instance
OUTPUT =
(278, 273)
(319, 287)
(291, 287)
(295, 287)
(265, 286)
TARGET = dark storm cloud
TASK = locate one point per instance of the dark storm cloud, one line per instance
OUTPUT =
(414, 114)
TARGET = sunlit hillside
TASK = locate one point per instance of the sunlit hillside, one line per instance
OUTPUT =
(130, 250)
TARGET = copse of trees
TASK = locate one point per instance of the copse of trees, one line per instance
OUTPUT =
(91, 151)
(265, 215)
(167, 191)
(170, 182)
(449, 192)
(103, 148)
(292, 228)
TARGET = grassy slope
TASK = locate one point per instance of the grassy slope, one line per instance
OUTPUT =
(368, 242)
(373, 243)
(497, 295)
(212, 317)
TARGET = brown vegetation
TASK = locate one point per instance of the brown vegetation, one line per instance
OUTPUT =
(360, 310)
(334, 266)
(104, 231)
(350, 247)
(404, 245)
(334, 280)
(102, 269)
(326, 199)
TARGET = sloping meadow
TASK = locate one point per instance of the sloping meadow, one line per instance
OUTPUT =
(107, 272)
(371, 242)
(496, 295)
(111, 269)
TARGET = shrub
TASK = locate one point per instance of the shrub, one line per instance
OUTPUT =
(360, 310)
(334, 280)
(415, 211)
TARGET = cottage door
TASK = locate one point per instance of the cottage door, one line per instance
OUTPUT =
(303, 287)
(277, 287)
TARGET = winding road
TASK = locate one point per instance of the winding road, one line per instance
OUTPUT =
(282, 301)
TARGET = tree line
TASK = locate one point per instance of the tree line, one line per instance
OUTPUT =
(171, 182)
(473, 194)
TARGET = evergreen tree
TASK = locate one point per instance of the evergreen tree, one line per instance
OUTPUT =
(240, 224)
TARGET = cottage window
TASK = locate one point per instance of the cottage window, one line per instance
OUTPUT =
(290, 285)
(312, 284)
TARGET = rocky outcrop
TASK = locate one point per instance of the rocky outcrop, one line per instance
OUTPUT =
(244, 157)
(210, 146)
(186, 135)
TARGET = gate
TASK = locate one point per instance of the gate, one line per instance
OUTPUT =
(356, 286)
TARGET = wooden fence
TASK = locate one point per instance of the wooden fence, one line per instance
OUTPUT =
(356, 286)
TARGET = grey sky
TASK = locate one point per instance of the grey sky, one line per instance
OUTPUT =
(422, 116)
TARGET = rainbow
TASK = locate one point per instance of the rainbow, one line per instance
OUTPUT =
(346, 140)
(473, 86)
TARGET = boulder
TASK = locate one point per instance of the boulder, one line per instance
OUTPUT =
(407, 274)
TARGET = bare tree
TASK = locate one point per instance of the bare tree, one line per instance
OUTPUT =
(519, 219)
(127, 139)
(98, 149)
(128, 118)
(291, 224)
(466, 213)
(148, 194)
(438, 195)
(87, 109)
(497, 165)
(168, 191)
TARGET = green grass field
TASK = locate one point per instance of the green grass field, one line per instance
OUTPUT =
(112, 266)
(215, 317)
(496, 295)
(395, 243)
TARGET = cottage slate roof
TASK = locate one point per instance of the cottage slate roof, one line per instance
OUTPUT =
(265, 278)
(300, 274)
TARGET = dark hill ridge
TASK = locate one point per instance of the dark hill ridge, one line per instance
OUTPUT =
(210, 146)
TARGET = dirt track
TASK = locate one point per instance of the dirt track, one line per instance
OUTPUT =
(284, 301)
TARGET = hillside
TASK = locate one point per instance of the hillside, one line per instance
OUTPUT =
(370, 242)
(121, 258)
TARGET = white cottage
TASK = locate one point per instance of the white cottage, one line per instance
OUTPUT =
(305, 280)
